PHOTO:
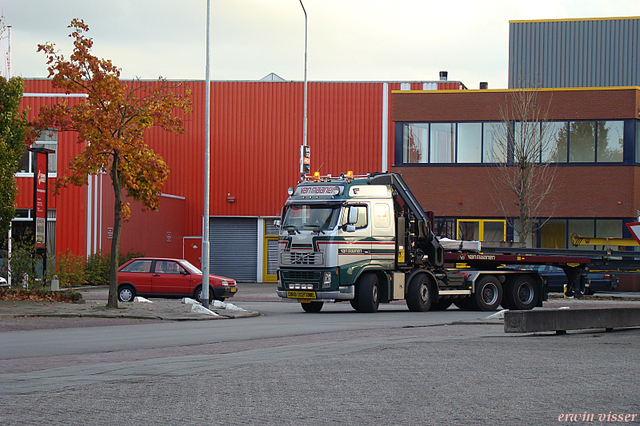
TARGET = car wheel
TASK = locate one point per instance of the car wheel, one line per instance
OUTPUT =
(126, 293)
(197, 294)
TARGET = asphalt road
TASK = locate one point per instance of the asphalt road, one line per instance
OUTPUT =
(337, 367)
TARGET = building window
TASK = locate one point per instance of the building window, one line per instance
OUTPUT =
(486, 230)
(47, 140)
(443, 140)
(555, 149)
(610, 138)
(582, 142)
(558, 142)
(416, 143)
(469, 143)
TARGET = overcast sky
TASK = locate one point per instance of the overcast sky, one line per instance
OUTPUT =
(348, 40)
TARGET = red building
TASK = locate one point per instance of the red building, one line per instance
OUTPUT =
(256, 133)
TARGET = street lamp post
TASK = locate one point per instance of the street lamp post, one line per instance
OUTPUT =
(305, 156)
(207, 160)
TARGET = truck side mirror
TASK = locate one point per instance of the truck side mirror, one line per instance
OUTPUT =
(277, 223)
(350, 228)
(353, 216)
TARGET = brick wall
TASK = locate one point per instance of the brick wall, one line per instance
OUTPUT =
(484, 105)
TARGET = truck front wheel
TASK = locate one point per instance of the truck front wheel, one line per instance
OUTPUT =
(420, 293)
(367, 293)
(312, 307)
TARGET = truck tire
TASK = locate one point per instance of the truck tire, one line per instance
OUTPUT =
(463, 304)
(312, 307)
(354, 304)
(441, 305)
(488, 294)
(420, 293)
(523, 293)
(367, 293)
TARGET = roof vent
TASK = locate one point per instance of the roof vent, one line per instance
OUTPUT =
(443, 75)
(484, 85)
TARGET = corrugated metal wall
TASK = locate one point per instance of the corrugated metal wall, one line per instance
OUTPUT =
(256, 133)
(574, 53)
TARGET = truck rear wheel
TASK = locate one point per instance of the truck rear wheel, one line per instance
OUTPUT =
(367, 293)
(522, 293)
(420, 293)
(312, 307)
(488, 294)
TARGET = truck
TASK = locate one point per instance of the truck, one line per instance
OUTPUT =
(367, 240)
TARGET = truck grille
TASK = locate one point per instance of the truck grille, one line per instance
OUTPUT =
(301, 258)
(310, 276)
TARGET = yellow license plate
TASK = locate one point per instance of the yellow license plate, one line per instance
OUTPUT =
(301, 294)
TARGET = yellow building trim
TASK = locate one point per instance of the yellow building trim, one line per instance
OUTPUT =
(621, 18)
(553, 89)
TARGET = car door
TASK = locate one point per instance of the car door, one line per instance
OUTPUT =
(138, 273)
(169, 277)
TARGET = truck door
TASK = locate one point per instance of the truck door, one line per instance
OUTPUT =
(356, 246)
(382, 234)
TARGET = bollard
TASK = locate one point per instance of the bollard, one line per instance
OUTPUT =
(55, 284)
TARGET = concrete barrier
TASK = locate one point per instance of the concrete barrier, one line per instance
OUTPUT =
(561, 320)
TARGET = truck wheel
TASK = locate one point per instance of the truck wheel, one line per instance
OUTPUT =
(367, 293)
(441, 305)
(463, 304)
(523, 293)
(312, 307)
(354, 304)
(488, 294)
(419, 294)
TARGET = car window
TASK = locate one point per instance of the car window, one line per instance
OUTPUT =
(142, 266)
(168, 267)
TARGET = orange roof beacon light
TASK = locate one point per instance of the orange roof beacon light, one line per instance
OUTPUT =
(316, 176)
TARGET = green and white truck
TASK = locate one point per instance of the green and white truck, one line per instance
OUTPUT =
(367, 240)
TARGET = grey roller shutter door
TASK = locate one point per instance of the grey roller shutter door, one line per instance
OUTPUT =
(234, 248)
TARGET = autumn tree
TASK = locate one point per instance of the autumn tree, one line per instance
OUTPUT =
(110, 124)
(524, 152)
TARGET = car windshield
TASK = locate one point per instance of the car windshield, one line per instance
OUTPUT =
(190, 267)
(311, 216)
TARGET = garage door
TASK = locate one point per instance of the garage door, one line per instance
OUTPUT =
(234, 248)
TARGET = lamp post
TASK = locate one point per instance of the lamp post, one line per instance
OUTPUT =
(207, 160)
(305, 155)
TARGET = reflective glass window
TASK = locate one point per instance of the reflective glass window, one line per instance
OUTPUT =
(469, 142)
(610, 138)
(582, 142)
(443, 138)
(493, 150)
(554, 147)
(416, 143)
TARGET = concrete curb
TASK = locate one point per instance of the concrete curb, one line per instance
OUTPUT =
(159, 310)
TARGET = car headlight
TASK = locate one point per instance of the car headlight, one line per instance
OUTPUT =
(225, 283)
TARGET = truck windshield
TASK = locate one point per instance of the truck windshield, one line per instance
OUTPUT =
(311, 216)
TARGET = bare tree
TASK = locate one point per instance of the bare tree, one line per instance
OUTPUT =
(524, 151)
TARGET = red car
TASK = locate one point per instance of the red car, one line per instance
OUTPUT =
(172, 278)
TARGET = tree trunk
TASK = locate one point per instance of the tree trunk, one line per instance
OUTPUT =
(115, 242)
